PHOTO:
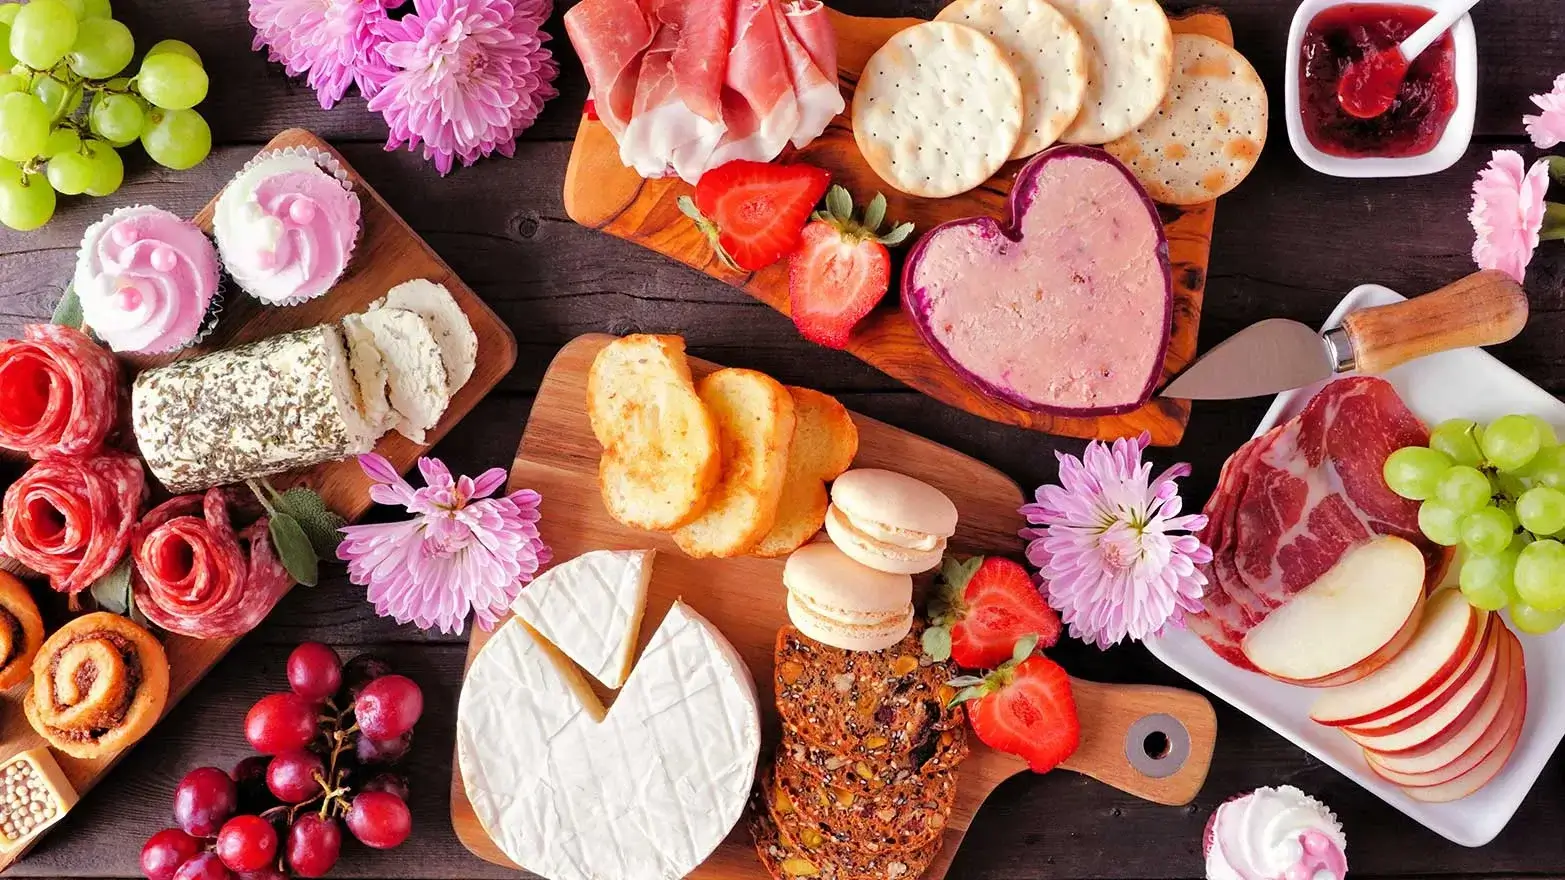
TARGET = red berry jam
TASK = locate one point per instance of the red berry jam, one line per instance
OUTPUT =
(1423, 106)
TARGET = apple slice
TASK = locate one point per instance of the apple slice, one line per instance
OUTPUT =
(1424, 706)
(1459, 707)
(1483, 773)
(1349, 622)
(1448, 631)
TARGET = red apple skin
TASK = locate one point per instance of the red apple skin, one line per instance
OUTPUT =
(1475, 778)
(1369, 665)
(1474, 660)
(1494, 677)
(1476, 626)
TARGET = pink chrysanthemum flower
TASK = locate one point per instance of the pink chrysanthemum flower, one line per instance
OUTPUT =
(468, 77)
(330, 42)
(1548, 127)
(1114, 554)
(461, 551)
(1508, 211)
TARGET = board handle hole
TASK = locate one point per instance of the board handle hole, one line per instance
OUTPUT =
(1157, 745)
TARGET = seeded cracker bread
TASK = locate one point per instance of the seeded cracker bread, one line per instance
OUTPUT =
(1046, 54)
(937, 110)
(825, 441)
(1209, 131)
(897, 818)
(660, 453)
(1130, 60)
(785, 859)
(942, 751)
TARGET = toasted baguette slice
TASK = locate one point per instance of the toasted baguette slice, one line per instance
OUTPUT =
(754, 415)
(825, 440)
(660, 453)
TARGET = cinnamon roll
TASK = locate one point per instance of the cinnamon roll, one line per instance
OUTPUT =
(21, 631)
(99, 684)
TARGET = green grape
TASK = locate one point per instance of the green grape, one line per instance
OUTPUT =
(44, 30)
(118, 119)
(70, 173)
(10, 82)
(1540, 575)
(103, 48)
(1487, 530)
(8, 12)
(1541, 510)
(1440, 523)
(62, 140)
(108, 169)
(77, 7)
(1458, 439)
(24, 126)
(174, 47)
(1463, 489)
(7, 60)
(61, 99)
(1536, 621)
(1487, 581)
(26, 200)
(96, 9)
(1510, 442)
(1414, 472)
(171, 81)
(1546, 435)
(1547, 468)
(177, 139)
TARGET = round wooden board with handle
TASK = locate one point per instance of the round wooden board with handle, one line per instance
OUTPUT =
(744, 598)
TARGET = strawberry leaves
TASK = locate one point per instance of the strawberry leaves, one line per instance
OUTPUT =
(973, 687)
(946, 606)
(839, 213)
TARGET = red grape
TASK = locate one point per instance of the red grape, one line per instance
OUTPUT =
(205, 866)
(280, 723)
(314, 672)
(395, 783)
(205, 798)
(247, 843)
(379, 819)
(267, 873)
(388, 707)
(165, 851)
(313, 843)
(360, 671)
(291, 776)
(250, 777)
(376, 751)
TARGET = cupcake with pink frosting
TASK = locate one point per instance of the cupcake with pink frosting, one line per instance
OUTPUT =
(286, 225)
(1275, 834)
(148, 281)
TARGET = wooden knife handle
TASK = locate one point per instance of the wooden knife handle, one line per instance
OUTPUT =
(1485, 308)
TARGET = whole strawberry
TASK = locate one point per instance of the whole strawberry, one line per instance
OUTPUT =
(1024, 707)
(983, 607)
(842, 269)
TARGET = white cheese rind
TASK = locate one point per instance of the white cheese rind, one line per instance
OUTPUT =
(415, 373)
(434, 303)
(647, 793)
(590, 609)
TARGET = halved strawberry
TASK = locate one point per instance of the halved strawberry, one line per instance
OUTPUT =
(1025, 708)
(752, 212)
(842, 270)
(983, 607)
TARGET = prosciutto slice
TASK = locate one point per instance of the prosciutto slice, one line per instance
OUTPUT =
(1291, 503)
(664, 133)
(70, 517)
(610, 37)
(702, 32)
(195, 576)
(759, 103)
(814, 87)
(59, 392)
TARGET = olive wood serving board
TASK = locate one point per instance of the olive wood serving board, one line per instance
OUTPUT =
(388, 253)
(744, 598)
(603, 194)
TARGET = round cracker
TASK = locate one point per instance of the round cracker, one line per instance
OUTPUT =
(1209, 131)
(1047, 55)
(1130, 60)
(937, 110)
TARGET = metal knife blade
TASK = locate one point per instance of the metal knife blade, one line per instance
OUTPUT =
(1270, 357)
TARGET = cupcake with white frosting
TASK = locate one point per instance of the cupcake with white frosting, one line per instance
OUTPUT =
(1275, 834)
(286, 225)
(148, 281)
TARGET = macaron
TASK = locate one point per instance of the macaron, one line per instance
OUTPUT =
(839, 602)
(890, 521)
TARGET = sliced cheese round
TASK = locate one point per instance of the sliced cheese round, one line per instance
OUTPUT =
(416, 383)
(590, 609)
(644, 791)
(454, 333)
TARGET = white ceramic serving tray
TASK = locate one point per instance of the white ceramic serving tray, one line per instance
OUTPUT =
(1468, 383)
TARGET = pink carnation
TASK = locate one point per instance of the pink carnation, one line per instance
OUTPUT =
(1508, 211)
(330, 42)
(468, 77)
(1548, 127)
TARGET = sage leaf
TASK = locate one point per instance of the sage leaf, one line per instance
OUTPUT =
(320, 523)
(68, 312)
(294, 549)
(112, 591)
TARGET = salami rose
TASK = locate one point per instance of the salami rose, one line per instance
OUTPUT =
(59, 392)
(196, 577)
(70, 517)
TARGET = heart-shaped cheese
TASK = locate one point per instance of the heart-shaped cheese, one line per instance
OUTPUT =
(645, 791)
(1065, 307)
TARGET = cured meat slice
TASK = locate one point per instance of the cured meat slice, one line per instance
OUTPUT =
(70, 518)
(664, 132)
(703, 31)
(812, 27)
(759, 104)
(59, 392)
(610, 37)
(814, 88)
(195, 576)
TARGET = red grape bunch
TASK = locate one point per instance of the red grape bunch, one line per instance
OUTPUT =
(328, 753)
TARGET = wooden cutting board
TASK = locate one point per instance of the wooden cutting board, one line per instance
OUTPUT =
(603, 194)
(389, 253)
(744, 598)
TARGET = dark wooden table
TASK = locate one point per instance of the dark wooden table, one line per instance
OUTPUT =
(1289, 242)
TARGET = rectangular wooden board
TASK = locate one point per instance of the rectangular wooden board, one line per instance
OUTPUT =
(388, 253)
(603, 194)
(744, 598)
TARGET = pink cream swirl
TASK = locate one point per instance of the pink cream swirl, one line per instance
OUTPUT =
(1275, 834)
(145, 279)
(304, 225)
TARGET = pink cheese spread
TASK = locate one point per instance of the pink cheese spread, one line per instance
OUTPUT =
(1069, 309)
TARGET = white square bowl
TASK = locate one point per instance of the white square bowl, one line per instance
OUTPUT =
(1458, 132)
(1468, 383)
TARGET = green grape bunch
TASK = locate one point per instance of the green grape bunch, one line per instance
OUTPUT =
(66, 106)
(1498, 493)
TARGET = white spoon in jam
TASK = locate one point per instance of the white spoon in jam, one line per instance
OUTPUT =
(1370, 85)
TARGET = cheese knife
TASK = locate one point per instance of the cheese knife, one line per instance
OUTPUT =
(1276, 355)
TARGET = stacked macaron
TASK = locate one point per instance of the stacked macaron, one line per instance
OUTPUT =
(890, 521)
(839, 602)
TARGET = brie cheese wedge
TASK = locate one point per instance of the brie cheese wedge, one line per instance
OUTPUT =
(644, 791)
(590, 609)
